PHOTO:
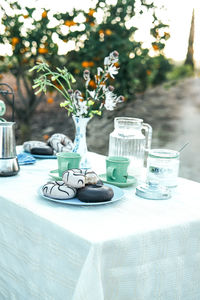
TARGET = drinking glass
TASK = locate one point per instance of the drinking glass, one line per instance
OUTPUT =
(163, 167)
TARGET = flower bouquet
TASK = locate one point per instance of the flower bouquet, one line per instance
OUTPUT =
(82, 105)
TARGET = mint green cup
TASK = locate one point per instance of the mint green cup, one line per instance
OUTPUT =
(116, 169)
(67, 161)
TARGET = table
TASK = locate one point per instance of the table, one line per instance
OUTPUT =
(134, 249)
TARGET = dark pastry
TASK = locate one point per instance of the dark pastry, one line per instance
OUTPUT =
(44, 150)
(93, 193)
(27, 146)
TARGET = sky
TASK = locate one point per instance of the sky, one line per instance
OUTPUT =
(177, 14)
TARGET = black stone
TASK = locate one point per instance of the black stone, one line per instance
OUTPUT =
(45, 150)
(93, 193)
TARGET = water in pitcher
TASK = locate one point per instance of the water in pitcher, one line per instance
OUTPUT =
(128, 140)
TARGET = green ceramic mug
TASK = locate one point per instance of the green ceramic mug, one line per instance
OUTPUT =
(116, 168)
(67, 161)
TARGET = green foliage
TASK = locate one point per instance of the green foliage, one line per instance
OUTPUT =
(112, 33)
(33, 37)
(180, 72)
(177, 73)
(30, 40)
(160, 67)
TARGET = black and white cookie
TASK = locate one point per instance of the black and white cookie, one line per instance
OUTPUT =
(60, 143)
(58, 190)
(74, 178)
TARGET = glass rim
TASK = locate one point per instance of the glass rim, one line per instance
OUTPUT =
(128, 119)
(7, 123)
(121, 159)
(68, 154)
(163, 153)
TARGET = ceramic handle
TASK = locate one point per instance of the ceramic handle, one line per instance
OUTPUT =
(110, 172)
(61, 164)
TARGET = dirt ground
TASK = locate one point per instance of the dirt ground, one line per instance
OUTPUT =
(173, 113)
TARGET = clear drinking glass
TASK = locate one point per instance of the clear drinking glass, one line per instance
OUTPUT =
(163, 167)
(131, 138)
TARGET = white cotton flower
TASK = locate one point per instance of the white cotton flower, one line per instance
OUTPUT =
(86, 76)
(77, 95)
(83, 108)
(109, 105)
(110, 100)
(92, 94)
(114, 56)
(99, 71)
(76, 105)
(120, 99)
(104, 88)
(112, 70)
(107, 61)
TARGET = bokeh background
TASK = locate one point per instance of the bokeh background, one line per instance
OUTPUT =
(159, 58)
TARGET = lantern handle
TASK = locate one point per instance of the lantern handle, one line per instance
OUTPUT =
(9, 91)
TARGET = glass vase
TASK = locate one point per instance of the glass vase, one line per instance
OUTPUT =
(80, 144)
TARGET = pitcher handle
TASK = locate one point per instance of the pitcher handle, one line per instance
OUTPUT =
(148, 137)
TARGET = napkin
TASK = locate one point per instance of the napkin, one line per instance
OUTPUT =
(25, 158)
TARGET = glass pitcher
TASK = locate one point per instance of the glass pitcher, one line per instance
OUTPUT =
(131, 138)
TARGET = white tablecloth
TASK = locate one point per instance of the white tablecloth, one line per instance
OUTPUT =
(134, 249)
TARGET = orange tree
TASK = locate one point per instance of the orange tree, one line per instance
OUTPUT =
(35, 35)
(116, 30)
(29, 34)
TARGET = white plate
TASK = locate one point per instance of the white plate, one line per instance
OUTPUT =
(118, 195)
